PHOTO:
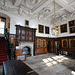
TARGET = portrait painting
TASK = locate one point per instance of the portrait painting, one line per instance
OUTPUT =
(27, 23)
(63, 28)
(72, 30)
(40, 28)
(71, 23)
(46, 30)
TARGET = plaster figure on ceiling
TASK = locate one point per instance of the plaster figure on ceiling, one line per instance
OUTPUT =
(4, 2)
(73, 15)
(23, 10)
(20, 10)
(31, 3)
(46, 10)
(63, 17)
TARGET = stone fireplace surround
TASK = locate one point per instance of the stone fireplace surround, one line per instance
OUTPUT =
(28, 44)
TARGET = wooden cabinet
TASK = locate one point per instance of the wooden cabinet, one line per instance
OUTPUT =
(25, 34)
(20, 55)
(41, 46)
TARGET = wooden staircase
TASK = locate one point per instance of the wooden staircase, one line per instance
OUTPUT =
(3, 55)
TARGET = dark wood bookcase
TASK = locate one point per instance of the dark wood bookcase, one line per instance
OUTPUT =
(26, 34)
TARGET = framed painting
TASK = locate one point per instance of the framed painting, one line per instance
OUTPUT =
(46, 30)
(71, 43)
(40, 28)
(72, 30)
(27, 23)
(63, 28)
(71, 23)
(64, 43)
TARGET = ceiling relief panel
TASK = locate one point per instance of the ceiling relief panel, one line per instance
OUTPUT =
(68, 1)
(42, 9)
(31, 3)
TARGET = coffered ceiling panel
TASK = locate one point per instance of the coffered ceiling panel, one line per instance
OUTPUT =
(68, 1)
(30, 3)
(46, 7)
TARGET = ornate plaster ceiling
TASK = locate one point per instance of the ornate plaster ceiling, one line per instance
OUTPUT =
(45, 8)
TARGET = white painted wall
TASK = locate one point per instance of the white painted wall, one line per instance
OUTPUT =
(18, 19)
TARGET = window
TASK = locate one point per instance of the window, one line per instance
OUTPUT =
(2, 25)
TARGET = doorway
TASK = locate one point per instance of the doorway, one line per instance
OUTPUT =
(57, 45)
(48, 46)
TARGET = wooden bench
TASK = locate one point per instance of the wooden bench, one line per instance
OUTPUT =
(17, 67)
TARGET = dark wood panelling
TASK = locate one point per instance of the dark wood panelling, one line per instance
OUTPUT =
(52, 45)
(25, 34)
(69, 47)
(40, 45)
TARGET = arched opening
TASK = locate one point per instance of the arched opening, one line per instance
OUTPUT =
(27, 51)
(4, 23)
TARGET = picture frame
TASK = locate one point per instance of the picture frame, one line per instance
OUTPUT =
(72, 26)
(47, 30)
(64, 43)
(63, 28)
(40, 28)
(71, 23)
(27, 23)
(72, 30)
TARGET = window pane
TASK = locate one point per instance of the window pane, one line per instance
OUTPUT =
(2, 25)
(1, 31)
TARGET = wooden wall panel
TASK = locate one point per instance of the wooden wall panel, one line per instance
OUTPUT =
(40, 45)
(67, 43)
(25, 34)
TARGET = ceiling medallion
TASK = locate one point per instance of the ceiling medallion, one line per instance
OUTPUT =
(31, 3)
(46, 10)
(55, 29)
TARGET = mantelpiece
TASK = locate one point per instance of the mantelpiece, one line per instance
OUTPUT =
(26, 34)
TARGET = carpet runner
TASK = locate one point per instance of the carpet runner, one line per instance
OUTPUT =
(3, 56)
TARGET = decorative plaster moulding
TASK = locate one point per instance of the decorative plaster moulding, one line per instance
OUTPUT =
(31, 3)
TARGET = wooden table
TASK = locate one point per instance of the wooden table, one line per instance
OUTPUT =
(17, 67)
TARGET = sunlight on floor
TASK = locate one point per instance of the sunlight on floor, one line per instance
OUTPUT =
(73, 72)
(45, 60)
(50, 59)
(54, 60)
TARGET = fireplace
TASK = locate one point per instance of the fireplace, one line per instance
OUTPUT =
(27, 51)
(27, 47)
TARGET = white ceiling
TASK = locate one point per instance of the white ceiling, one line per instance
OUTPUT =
(46, 7)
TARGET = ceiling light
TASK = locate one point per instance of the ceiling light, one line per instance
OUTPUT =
(55, 29)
